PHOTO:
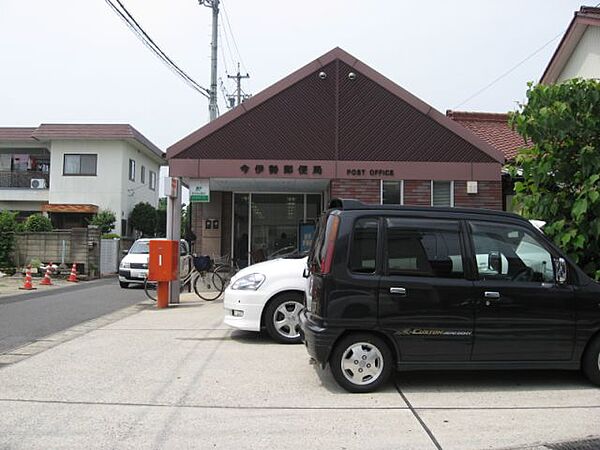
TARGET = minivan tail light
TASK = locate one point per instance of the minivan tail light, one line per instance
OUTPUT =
(330, 245)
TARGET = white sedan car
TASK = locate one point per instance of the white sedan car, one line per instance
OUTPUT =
(268, 295)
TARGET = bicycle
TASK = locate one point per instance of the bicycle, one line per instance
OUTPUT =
(207, 284)
(224, 267)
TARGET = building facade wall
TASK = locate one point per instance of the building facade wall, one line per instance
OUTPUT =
(367, 191)
(134, 192)
(103, 190)
(489, 195)
(585, 59)
(417, 192)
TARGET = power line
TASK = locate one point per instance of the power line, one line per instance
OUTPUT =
(233, 37)
(509, 71)
(135, 27)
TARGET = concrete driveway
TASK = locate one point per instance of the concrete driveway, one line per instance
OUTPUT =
(179, 378)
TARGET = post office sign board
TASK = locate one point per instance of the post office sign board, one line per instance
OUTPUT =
(199, 191)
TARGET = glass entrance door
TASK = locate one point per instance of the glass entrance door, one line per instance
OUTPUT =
(266, 226)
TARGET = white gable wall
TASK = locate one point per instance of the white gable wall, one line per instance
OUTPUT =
(585, 59)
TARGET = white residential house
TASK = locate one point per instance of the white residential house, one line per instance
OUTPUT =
(578, 53)
(70, 172)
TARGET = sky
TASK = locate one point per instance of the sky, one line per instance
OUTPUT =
(75, 61)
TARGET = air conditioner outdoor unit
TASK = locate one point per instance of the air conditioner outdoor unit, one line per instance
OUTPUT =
(38, 183)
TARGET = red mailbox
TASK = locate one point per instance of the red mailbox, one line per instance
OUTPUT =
(163, 261)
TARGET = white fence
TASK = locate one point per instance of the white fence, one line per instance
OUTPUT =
(109, 256)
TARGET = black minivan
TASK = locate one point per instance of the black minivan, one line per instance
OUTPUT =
(413, 288)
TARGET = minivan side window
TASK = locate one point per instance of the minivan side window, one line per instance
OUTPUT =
(509, 252)
(363, 249)
(423, 248)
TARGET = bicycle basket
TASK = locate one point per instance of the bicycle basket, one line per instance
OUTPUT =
(202, 263)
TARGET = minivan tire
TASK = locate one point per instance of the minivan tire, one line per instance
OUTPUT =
(373, 347)
(591, 361)
(274, 311)
(123, 285)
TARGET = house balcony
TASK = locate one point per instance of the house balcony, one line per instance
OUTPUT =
(24, 186)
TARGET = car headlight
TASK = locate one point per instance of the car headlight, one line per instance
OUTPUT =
(125, 265)
(249, 282)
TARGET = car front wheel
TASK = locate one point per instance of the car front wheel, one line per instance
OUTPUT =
(123, 285)
(361, 362)
(282, 318)
(591, 361)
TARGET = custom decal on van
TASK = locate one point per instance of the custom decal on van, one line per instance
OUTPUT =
(433, 332)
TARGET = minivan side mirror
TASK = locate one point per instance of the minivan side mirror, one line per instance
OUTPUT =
(561, 270)
(495, 262)
(125, 252)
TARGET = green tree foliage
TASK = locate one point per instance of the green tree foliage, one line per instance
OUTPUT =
(37, 222)
(561, 170)
(143, 219)
(8, 225)
(105, 220)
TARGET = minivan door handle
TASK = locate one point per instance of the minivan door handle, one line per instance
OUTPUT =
(398, 291)
(492, 294)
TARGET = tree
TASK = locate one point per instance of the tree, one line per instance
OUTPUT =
(561, 170)
(143, 219)
(37, 223)
(105, 220)
(8, 225)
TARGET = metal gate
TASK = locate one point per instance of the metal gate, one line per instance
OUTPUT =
(109, 256)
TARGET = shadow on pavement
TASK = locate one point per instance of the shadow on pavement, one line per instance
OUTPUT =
(488, 380)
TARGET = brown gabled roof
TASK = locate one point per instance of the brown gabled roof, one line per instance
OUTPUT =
(586, 16)
(305, 116)
(492, 128)
(17, 134)
(48, 131)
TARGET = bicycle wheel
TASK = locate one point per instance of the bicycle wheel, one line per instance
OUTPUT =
(225, 272)
(209, 286)
(150, 289)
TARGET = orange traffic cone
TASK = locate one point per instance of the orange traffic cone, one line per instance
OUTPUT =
(27, 286)
(47, 281)
(73, 277)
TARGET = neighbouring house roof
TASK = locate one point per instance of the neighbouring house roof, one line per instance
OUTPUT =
(70, 208)
(308, 116)
(17, 134)
(492, 128)
(585, 17)
(49, 131)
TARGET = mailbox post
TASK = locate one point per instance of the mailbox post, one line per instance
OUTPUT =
(163, 267)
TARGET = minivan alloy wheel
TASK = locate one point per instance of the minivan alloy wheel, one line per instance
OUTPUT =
(362, 363)
(286, 319)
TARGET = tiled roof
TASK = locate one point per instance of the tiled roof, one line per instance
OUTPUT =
(335, 108)
(93, 131)
(492, 128)
(16, 134)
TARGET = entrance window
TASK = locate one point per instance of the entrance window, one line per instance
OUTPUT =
(267, 226)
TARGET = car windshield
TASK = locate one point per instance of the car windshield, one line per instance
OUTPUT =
(139, 248)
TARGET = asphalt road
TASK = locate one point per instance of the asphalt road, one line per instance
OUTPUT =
(25, 318)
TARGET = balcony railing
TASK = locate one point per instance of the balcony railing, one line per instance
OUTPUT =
(10, 179)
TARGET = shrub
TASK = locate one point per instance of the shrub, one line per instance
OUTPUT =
(8, 225)
(105, 220)
(37, 222)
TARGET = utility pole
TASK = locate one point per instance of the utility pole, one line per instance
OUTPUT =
(213, 108)
(238, 92)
